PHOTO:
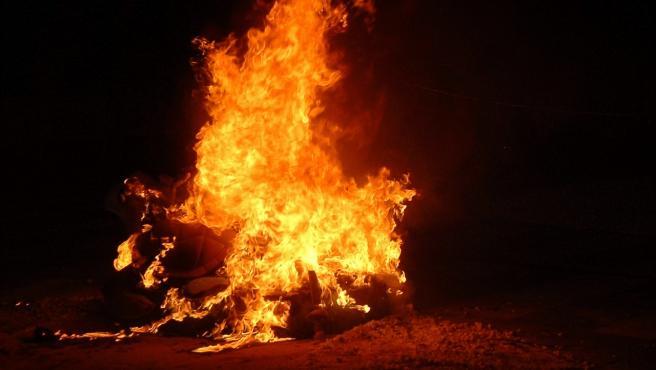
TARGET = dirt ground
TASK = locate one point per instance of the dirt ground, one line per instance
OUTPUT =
(462, 337)
(482, 299)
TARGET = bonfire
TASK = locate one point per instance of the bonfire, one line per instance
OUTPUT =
(267, 239)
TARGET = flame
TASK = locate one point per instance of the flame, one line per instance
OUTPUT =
(125, 250)
(151, 277)
(264, 170)
(127, 253)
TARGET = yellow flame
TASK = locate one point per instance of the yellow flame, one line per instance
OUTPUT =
(264, 170)
(126, 251)
(124, 258)
(154, 274)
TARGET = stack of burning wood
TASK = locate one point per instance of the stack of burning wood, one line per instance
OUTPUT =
(195, 267)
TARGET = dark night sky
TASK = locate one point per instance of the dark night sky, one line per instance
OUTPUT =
(501, 111)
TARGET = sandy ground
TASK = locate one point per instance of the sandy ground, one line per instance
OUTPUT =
(585, 301)
(413, 341)
(391, 343)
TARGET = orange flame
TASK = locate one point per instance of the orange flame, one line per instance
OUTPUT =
(263, 171)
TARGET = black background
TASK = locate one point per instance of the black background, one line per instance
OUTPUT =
(527, 128)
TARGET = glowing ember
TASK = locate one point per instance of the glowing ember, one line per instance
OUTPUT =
(263, 172)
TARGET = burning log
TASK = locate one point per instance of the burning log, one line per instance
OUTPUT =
(198, 250)
(198, 254)
(193, 262)
(309, 317)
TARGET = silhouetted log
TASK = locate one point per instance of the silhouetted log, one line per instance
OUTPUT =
(315, 288)
(127, 301)
(335, 319)
(198, 250)
(298, 324)
(205, 286)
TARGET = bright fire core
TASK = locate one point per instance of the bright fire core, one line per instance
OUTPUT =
(266, 172)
